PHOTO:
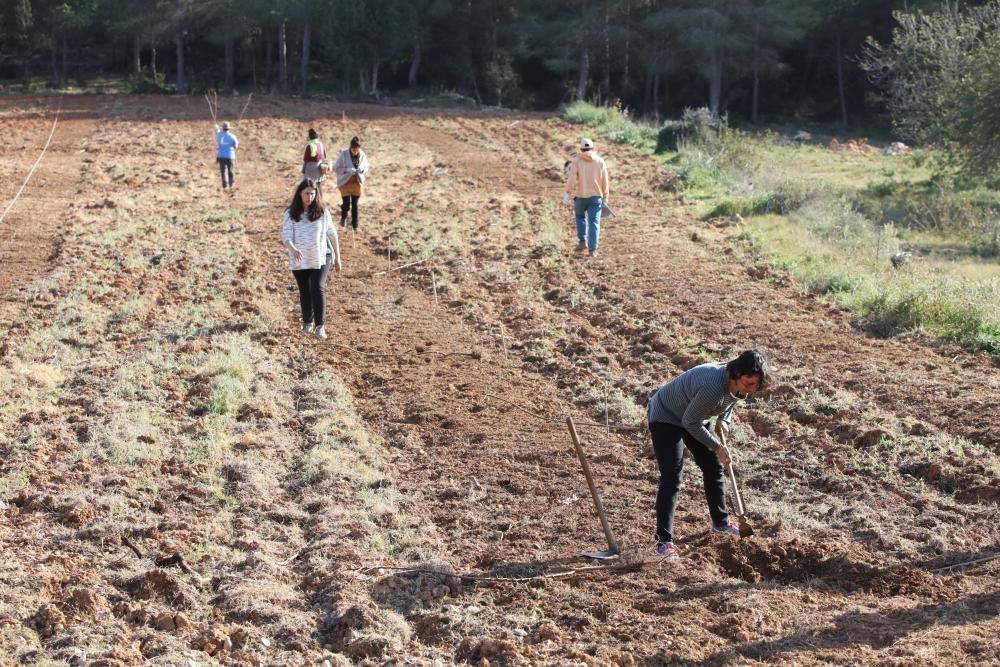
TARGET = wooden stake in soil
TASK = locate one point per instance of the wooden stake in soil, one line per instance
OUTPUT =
(607, 424)
(245, 106)
(613, 548)
(503, 342)
(434, 285)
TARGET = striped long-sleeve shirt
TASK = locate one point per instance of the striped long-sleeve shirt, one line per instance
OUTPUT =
(692, 399)
(312, 237)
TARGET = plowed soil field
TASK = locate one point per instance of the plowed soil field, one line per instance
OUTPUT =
(187, 479)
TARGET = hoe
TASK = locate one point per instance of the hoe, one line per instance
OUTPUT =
(613, 549)
(746, 530)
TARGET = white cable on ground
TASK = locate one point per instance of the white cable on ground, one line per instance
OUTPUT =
(32, 170)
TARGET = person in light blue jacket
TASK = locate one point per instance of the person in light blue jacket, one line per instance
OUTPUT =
(226, 142)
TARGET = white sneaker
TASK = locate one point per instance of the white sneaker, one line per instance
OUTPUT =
(307, 328)
(321, 332)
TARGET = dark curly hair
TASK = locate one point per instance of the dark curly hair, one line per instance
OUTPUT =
(750, 362)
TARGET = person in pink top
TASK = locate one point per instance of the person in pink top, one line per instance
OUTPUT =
(312, 160)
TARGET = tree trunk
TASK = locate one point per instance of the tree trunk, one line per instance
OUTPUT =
(607, 51)
(282, 58)
(375, 66)
(418, 54)
(152, 60)
(656, 96)
(756, 71)
(647, 90)
(55, 59)
(229, 66)
(628, 34)
(840, 82)
(715, 81)
(581, 84)
(179, 43)
(136, 54)
(363, 80)
(65, 62)
(304, 65)
(253, 64)
(268, 57)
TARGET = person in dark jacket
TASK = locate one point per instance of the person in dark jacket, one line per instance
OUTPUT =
(679, 415)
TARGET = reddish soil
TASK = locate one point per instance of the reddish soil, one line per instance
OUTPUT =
(868, 465)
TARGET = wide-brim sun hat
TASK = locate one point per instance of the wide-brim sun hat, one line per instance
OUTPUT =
(586, 143)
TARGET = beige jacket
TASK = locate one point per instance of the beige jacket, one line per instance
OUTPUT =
(588, 176)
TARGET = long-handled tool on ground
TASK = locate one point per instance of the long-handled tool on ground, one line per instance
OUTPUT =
(746, 530)
(613, 549)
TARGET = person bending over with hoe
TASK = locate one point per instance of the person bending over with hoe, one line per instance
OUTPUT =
(679, 415)
(226, 143)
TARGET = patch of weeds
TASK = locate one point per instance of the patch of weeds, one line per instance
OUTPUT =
(230, 356)
(200, 551)
(226, 501)
(140, 381)
(228, 395)
(222, 215)
(214, 442)
(129, 312)
(550, 229)
(283, 151)
(377, 542)
(621, 409)
(12, 483)
(128, 437)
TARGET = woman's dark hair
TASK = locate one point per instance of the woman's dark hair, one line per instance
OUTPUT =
(296, 209)
(355, 142)
(312, 134)
(751, 362)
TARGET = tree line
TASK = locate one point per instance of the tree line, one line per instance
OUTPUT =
(757, 60)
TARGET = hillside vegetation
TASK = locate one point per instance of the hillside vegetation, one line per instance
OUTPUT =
(830, 214)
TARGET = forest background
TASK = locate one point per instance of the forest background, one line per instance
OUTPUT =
(757, 60)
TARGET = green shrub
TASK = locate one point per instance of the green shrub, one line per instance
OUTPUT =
(148, 84)
(614, 123)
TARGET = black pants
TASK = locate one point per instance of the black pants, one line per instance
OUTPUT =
(312, 292)
(226, 170)
(668, 443)
(350, 203)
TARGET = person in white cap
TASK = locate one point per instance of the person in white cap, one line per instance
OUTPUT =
(226, 157)
(587, 182)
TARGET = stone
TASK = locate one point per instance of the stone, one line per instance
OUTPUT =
(165, 622)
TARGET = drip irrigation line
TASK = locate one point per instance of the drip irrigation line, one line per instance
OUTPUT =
(551, 420)
(27, 178)
(619, 567)
(472, 355)
(967, 563)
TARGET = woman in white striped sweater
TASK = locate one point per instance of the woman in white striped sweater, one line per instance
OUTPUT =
(313, 247)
